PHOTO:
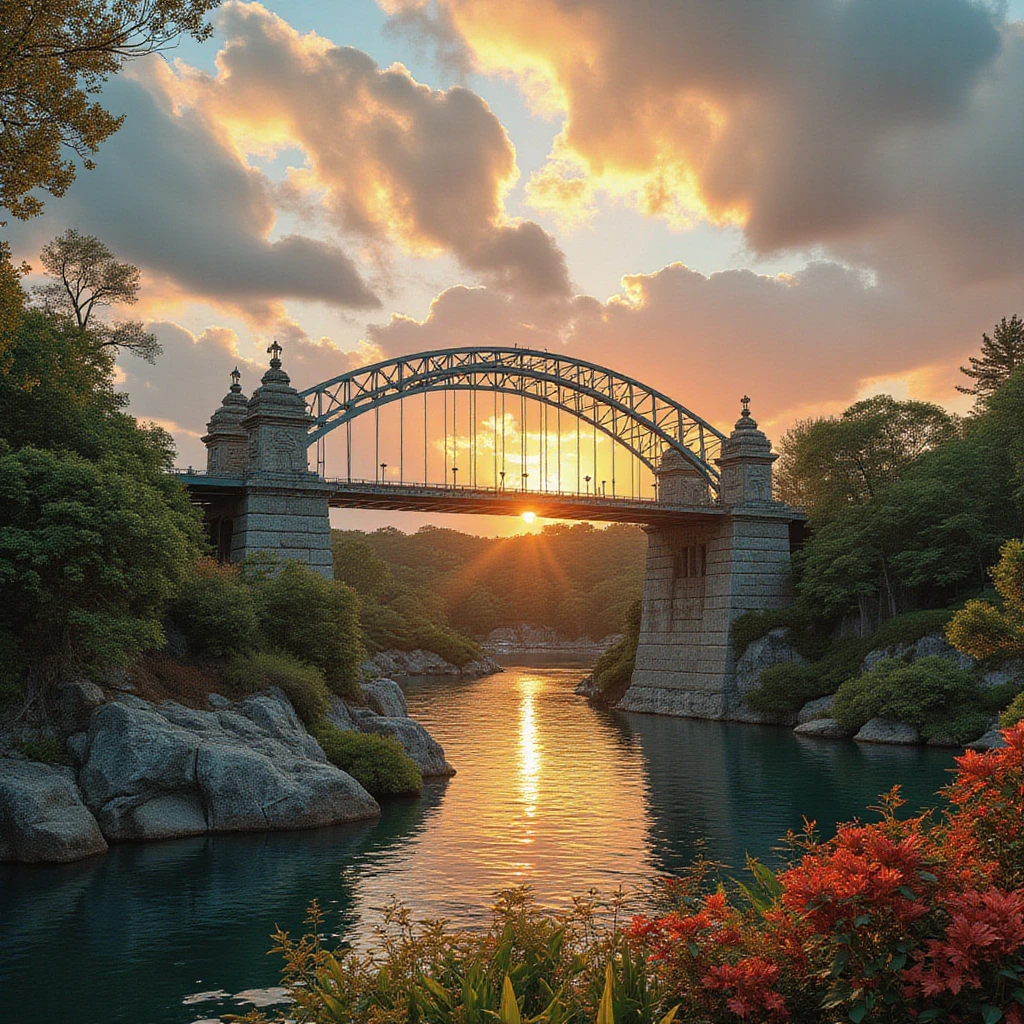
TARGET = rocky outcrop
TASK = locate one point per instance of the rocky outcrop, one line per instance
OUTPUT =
(816, 709)
(887, 730)
(935, 645)
(42, 817)
(525, 638)
(158, 771)
(392, 664)
(416, 741)
(774, 648)
(587, 687)
(822, 728)
(385, 697)
(991, 739)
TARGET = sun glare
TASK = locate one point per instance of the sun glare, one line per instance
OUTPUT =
(528, 517)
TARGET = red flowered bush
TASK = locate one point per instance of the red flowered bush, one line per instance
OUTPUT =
(916, 919)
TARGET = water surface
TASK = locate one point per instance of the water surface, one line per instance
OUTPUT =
(550, 792)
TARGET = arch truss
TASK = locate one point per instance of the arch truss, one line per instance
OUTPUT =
(636, 416)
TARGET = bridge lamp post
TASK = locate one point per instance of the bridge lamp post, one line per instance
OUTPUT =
(587, 479)
(525, 475)
(455, 477)
(502, 485)
(383, 471)
(604, 490)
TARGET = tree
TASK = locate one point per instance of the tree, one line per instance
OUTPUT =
(54, 57)
(982, 630)
(86, 277)
(1000, 356)
(829, 464)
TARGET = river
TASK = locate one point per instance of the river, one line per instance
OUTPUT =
(550, 793)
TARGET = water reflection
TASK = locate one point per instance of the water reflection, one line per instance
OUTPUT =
(550, 792)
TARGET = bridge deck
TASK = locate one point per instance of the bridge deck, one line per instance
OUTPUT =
(476, 501)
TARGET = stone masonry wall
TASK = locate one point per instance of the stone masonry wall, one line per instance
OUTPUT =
(685, 662)
(289, 525)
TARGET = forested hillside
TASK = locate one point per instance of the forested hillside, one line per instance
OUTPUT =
(576, 579)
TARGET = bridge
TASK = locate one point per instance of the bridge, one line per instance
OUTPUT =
(543, 434)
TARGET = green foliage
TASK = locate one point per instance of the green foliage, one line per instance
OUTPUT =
(614, 668)
(808, 637)
(216, 610)
(1012, 713)
(828, 465)
(1001, 355)
(312, 618)
(981, 629)
(932, 693)
(89, 551)
(377, 763)
(303, 684)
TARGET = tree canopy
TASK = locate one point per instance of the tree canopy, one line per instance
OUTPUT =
(1001, 355)
(54, 59)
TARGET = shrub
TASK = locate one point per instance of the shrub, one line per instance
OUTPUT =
(216, 610)
(788, 687)
(932, 693)
(614, 669)
(48, 749)
(1013, 712)
(312, 618)
(304, 685)
(377, 763)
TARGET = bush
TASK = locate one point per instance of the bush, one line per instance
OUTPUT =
(304, 685)
(216, 610)
(377, 763)
(932, 693)
(1012, 713)
(614, 669)
(788, 687)
(48, 749)
(312, 618)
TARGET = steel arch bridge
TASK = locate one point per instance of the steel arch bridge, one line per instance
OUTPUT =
(640, 418)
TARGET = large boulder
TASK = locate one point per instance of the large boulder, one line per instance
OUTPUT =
(887, 730)
(816, 709)
(822, 728)
(76, 699)
(42, 817)
(991, 739)
(774, 648)
(935, 645)
(158, 771)
(385, 697)
(416, 741)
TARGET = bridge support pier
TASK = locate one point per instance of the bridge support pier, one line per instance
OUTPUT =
(701, 577)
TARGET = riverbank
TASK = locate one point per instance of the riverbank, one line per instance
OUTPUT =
(152, 770)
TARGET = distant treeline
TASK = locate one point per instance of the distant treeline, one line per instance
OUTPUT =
(575, 579)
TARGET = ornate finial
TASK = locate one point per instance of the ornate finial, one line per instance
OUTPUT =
(236, 381)
(746, 406)
(274, 352)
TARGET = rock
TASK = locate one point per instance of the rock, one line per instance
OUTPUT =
(772, 649)
(935, 645)
(42, 817)
(117, 679)
(886, 730)
(586, 687)
(1009, 672)
(385, 697)
(218, 700)
(76, 700)
(339, 715)
(399, 664)
(813, 709)
(991, 740)
(943, 741)
(486, 666)
(822, 728)
(157, 771)
(77, 744)
(416, 741)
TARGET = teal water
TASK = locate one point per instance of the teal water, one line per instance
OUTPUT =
(550, 792)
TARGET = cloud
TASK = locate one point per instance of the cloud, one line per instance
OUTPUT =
(798, 343)
(884, 131)
(388, 158)
(170, 196)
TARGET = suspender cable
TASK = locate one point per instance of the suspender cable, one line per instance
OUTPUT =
(348, 450)
(494, 430)
(577, 404)
(522, 440)
(446, 437)
(455, 438)
(594, 419)
(424, 438)
(558, 431)
(376, 443)
(614, 446)
(401, 440)
(503, 440)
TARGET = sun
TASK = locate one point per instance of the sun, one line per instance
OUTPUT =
(528, 517)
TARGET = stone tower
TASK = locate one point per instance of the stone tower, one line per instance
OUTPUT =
(283, 506)
(226, 440)
(701, 576)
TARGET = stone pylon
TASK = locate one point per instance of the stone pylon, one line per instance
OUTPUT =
(283, 506)
(700, 577)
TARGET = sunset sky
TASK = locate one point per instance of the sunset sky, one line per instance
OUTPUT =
(805, 200)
